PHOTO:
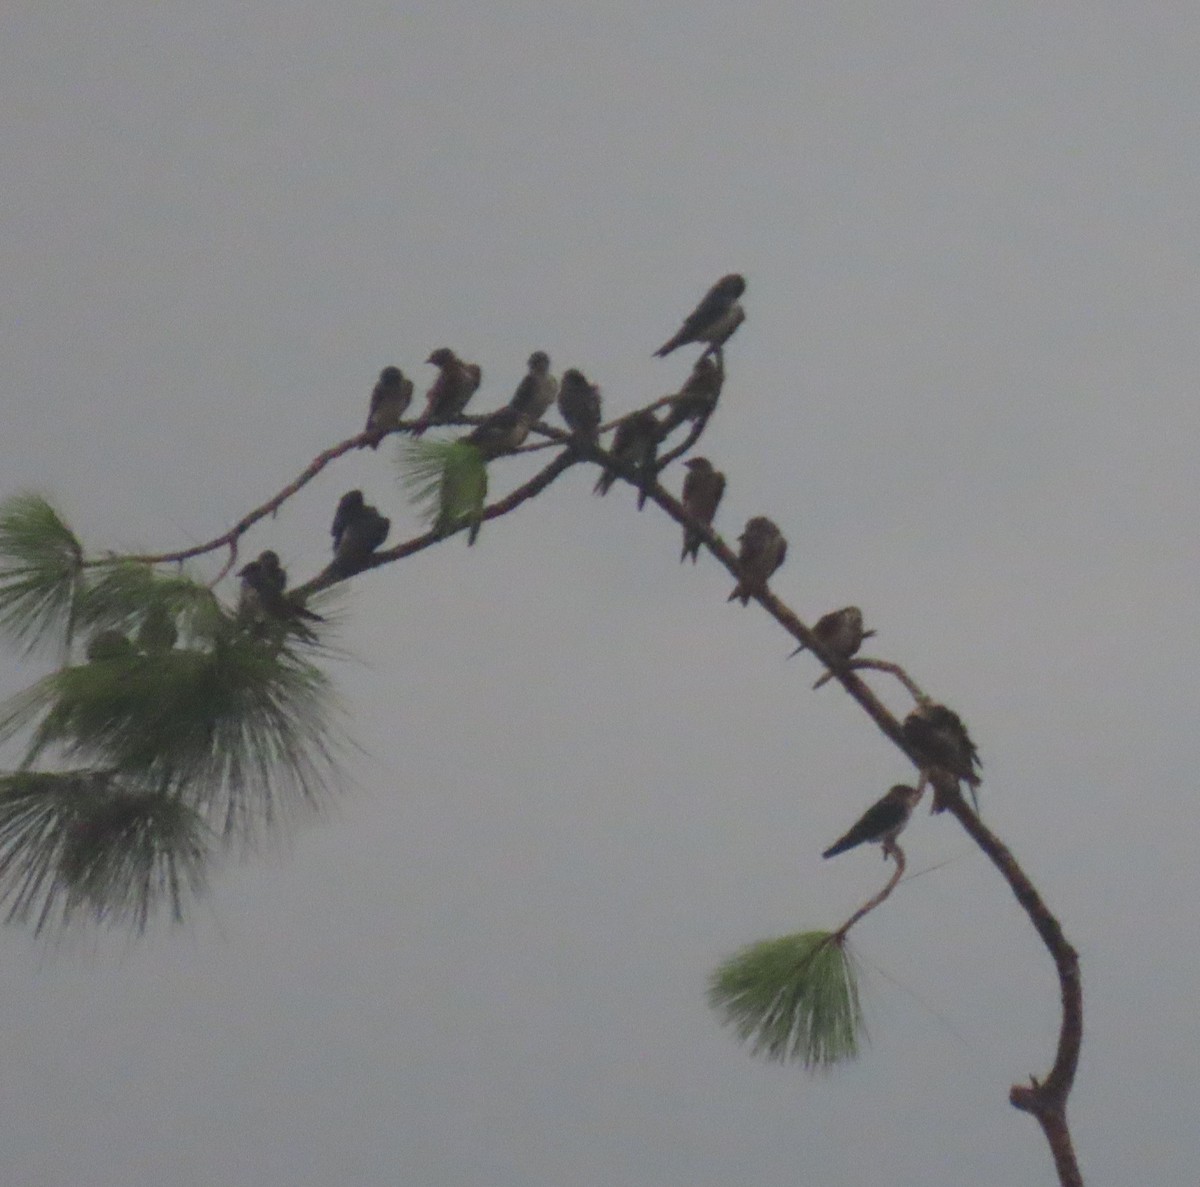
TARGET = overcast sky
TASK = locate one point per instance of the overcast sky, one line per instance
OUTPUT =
(966, 392)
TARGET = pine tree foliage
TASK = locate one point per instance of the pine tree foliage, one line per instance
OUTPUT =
(177, 722)
(40, 565)
(793, 999)
(84, 844)
(447, 481)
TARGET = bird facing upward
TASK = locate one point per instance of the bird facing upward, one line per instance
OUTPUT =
(714, 320)
(881, 823)
(763, 550)
(450, 392)
(702, 491)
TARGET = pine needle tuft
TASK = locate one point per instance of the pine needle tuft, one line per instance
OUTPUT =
(84, 844)
(793, 999)
(40, 564)
(447, 482)
(241, 729)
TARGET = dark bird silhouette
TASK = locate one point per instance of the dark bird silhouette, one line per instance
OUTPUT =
(536, 391)
(450, 392)
(501, 432)
(714, 319)
(389, 401)
(882, 822)
(763, 550)
(940, 740)
(108, 646)
(349, 505)
(702, 491)
(635, 443)
(264, 582)
(840, 632)
(697, 399)
(358, 529)
(579, 405)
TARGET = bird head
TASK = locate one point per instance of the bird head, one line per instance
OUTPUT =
(731, 286)
(539, 362)
(701, 464)
(442, 357)
(390, 375)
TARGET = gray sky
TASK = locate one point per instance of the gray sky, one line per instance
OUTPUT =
(966, 392)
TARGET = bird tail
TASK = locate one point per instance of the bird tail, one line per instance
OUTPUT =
(838, 847)
(739, 592)
(666, 348)
(795, 653)
(604, 483)
(691, 547)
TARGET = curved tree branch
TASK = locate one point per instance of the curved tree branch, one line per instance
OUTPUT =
(1045, 1100)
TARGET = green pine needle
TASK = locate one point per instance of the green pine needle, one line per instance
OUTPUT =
(40, 562)
(447, 482)
(793, 999)
(125, 595)
(242, 729)
(84, 844)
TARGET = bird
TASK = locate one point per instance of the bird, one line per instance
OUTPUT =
(635, 443)
(697, 399)
(702, 491)
(449, 393)
(264, 581)
(536, 391)
(940, 740)
(501, 432)
(579, 405)
(763, 550)
(714, 319)
(882, 822)
(349, 505)
(840, 632)
(358, 529)
(389, 401)
(158, 632)
(108, 646)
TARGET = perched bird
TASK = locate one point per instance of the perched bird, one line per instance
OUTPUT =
(349, 505)
(456, 383)
(702, 491)
(501, 432)
(107, 646)
(940, 740)
(635, 443)
(389, 401)
(714, 319)
(264, 581)
(358, 529)
(840, 632)
(579, 405)
(158, 632)
(881, 823)
(763, 550)
(697, 399)
(535, 393)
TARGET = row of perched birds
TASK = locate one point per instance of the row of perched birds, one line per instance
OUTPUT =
(359, 529)
(934, 734)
